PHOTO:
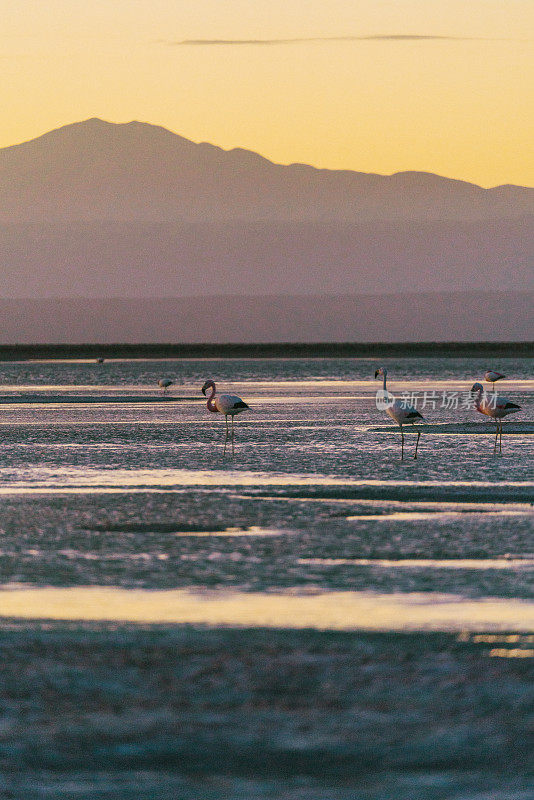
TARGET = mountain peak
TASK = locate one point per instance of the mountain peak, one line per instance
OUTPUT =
(104, 208)
(138, 171)
(94, 121)
(95, 128)
(88, 134)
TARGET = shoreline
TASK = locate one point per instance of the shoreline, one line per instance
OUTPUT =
(43, 351)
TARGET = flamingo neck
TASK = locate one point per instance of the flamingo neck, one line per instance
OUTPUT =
(384, 384)
(211, 398)
(478, 399)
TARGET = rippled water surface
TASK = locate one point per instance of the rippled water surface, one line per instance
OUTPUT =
(105, 481)
(309, 619)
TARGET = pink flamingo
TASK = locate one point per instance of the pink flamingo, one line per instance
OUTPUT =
(492, 377)
(164, 384)
(399, 411)
(227, 404)
(493, 406)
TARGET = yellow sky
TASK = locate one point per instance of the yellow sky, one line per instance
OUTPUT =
(461, 106)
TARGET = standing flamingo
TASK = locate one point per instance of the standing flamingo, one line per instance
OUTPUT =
(492, 377)
(227, 404)
(495, 407)
(400, 411)
(164, 384)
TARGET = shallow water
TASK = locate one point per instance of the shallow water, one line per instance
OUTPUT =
(99, 489)
(336, 611)
(394, 658)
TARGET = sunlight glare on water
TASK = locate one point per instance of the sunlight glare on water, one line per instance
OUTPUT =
(324, 611)
(100, 490)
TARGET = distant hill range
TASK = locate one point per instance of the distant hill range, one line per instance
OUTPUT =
(134, 211)
(426, 316)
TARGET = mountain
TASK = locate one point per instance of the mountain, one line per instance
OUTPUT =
(97, 209)
(98, 170)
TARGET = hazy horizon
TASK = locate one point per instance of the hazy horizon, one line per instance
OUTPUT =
(409, 317)
(96, 209)
(296, 150)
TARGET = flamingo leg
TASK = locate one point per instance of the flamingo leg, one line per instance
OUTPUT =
(417, 443)
(496, 437)
(226, 440)
(500, 438)
(232, 435)
(402, 444)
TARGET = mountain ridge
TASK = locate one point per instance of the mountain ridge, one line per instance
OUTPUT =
(98, 169)
(409, 317)
(102, 124)
(130, 209)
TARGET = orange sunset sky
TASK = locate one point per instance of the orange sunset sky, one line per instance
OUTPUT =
(338, 84)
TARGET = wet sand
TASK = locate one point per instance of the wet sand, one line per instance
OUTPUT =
(265, 350)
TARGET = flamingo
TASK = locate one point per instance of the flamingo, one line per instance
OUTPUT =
(399, 411)
(164, 384)
(227, 404)
(492, 377)
(495, 407)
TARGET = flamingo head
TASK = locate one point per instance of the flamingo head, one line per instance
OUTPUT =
(477, 387)
(381, 371)
(207, 385)
(492, 377)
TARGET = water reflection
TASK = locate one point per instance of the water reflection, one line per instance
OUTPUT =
(297, 609)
